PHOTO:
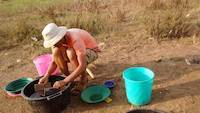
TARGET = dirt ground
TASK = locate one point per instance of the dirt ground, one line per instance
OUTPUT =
(176, 85)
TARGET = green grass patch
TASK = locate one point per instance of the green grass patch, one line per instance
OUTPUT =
(11, 7)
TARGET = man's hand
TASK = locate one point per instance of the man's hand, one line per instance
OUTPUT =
(59, 84)
(44, 80)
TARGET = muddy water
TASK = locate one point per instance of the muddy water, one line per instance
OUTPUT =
(35, 95)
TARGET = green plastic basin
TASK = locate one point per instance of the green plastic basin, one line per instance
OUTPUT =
(95, 94)
(16, 86)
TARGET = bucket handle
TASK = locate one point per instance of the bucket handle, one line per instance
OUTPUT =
(57, 94)
(54, 96)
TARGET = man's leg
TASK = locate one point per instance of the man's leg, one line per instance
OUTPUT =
(59, 60)
(72, 57)
(73, 60)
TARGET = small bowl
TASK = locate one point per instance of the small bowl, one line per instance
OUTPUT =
(109, 84)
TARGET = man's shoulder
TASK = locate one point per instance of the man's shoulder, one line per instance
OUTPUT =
(74, 29)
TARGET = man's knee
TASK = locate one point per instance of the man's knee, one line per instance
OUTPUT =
(71, 54)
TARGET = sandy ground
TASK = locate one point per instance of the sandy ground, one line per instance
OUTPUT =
(176, 85)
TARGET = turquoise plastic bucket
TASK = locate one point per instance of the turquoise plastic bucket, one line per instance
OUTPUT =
(138, 84)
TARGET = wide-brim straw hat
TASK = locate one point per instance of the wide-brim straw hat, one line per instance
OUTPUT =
(52, 34)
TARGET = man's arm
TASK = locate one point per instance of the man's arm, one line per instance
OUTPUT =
(51, 69)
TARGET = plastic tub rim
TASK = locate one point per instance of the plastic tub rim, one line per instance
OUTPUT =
(36, 58)
(42, 98)
(151, 78)
(156, 110)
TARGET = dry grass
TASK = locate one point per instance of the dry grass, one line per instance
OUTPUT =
(168, 19)
(19, 31)
(24, 28)
(90, 15)
(171, 25)
(163, 19)
(166, 4)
